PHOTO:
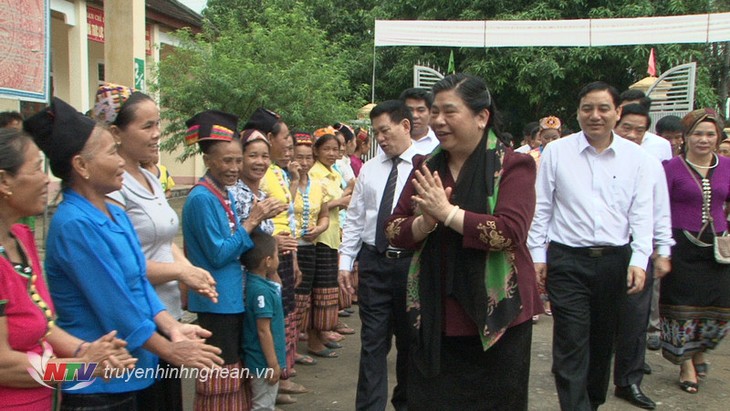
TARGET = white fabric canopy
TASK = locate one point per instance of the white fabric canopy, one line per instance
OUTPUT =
(699, 28)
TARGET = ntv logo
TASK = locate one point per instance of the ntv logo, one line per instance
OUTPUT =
(45, 373)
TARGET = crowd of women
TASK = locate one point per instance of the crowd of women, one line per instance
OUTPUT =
(117, 283)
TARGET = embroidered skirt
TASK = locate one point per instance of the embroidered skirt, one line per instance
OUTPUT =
(694, 302)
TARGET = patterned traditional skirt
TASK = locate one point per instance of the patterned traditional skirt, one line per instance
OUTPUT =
(694, 302)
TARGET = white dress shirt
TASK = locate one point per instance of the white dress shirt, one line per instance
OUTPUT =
(427, 143)
(362, 213)
(657, 146)
(588, 199)
(663, 240)
(424, 146)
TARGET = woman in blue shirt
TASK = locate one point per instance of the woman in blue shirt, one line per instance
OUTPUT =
(95, 267)
(214, 241)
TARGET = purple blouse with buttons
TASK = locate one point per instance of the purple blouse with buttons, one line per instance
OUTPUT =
(685, 195)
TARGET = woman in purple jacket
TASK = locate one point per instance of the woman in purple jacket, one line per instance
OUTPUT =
(695, 296)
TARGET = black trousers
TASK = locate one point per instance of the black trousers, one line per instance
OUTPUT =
(476, 380)
(124, 401)
(382, 299)
(227, 335)
(630, 354)
(585, 292)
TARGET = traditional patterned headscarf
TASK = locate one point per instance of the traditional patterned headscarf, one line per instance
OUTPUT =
(109, 100)
(362, 135)
(322, 131)
(211, 125)
(691, 120)
(550, 122)
(250, 135)
(303, 139)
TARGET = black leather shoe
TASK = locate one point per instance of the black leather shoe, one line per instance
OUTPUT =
(633, 394)
(646, 368)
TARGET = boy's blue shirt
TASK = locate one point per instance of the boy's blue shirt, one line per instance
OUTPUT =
(263, 300)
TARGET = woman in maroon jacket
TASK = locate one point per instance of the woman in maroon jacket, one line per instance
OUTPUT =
(471, 289)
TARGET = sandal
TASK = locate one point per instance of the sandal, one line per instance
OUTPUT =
(333, 345)
(332, 336)
(304, 359)
(702, 369)
(326, 353)
(342, 328)
(689, 386)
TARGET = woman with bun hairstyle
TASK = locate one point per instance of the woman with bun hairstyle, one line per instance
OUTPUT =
(95, 267)
(472, 289)
(27, 316)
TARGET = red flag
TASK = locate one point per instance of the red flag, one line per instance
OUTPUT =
(652, 64)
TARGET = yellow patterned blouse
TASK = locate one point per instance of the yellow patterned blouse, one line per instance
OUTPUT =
(329, 180)
(307, 205)
(276, 184)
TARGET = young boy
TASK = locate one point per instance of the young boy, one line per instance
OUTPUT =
(264, 341)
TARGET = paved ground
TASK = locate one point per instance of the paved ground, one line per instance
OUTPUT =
(333, 381)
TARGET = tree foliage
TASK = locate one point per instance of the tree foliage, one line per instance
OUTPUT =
(533, 82)
(313, 61)
(281, 61)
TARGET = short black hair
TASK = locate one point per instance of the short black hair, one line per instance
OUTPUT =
(600, 86)
(264, 245)
(636, 109)
(527, 129)
(7, 117)
(417, 94)
(508, 137)
(395, 109)
(633, 94)
(669, 124)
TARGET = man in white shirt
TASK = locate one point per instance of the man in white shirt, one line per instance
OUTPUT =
(419, 102)
(629, 362)
(590, 195)
(383, 270)
(656, 145)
